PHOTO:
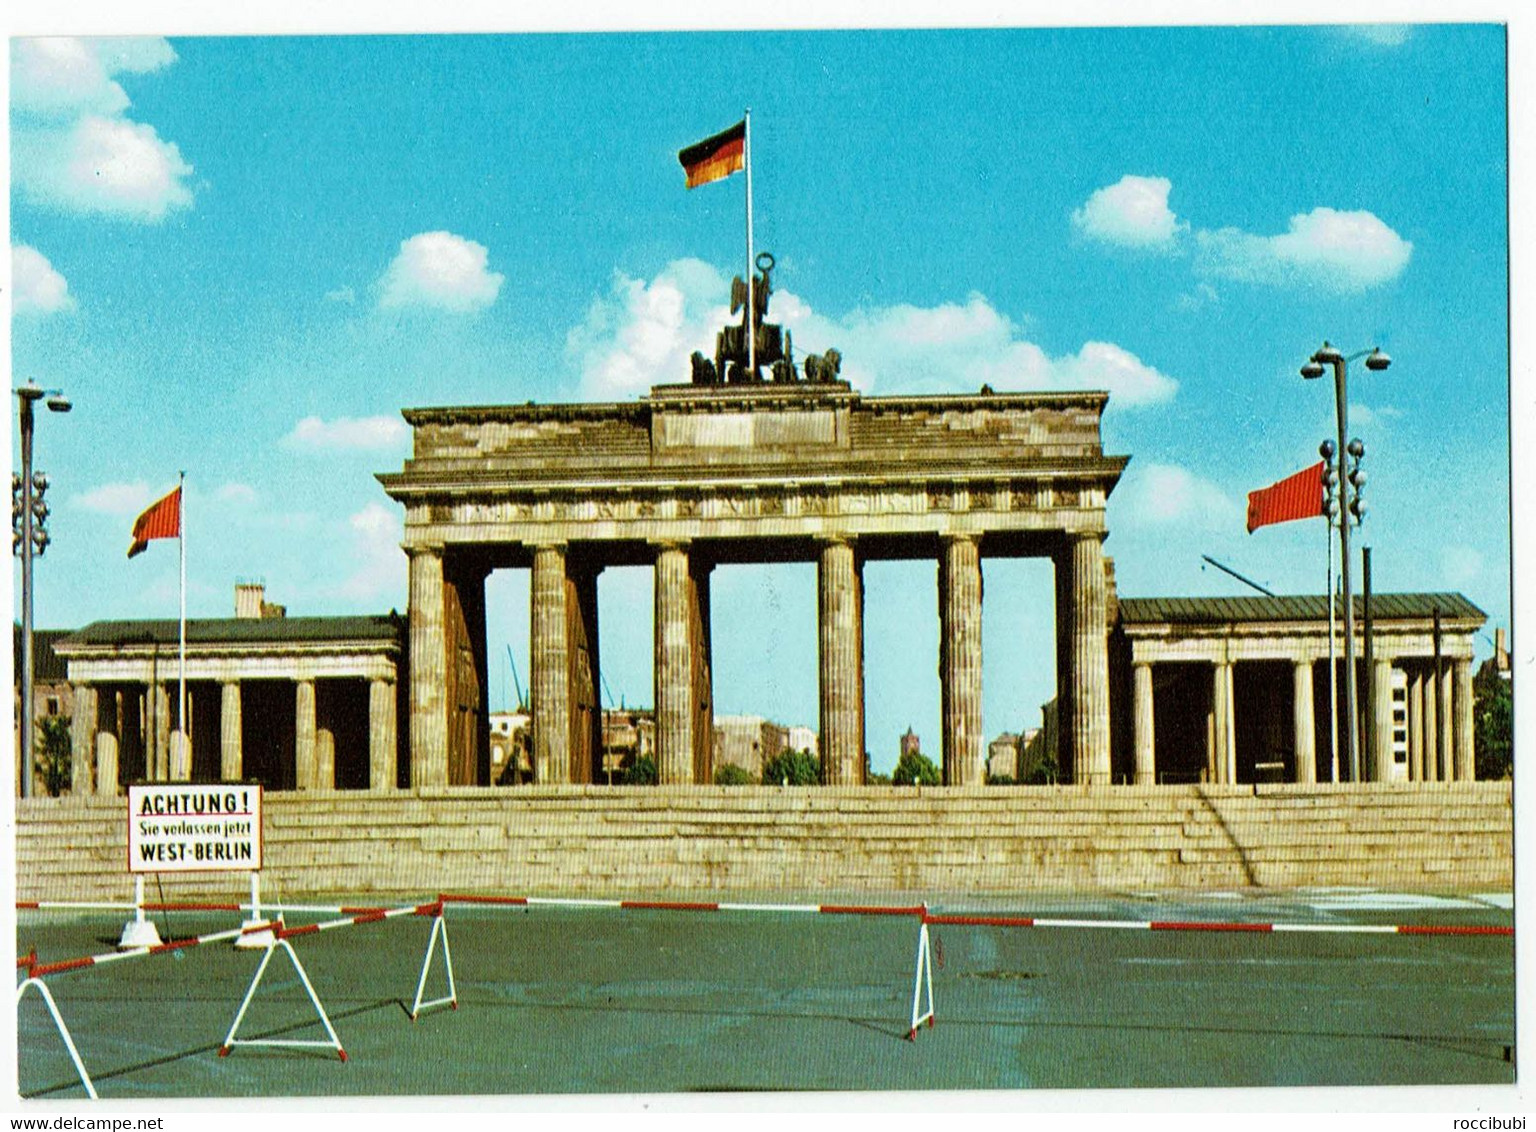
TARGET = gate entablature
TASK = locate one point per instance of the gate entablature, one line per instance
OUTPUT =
(756, 462)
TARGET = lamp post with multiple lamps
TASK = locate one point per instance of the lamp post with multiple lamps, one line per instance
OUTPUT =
(31, 539)
(1349, 488)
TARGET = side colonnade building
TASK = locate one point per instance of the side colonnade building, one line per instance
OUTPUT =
(1236, 689)
(296, 703)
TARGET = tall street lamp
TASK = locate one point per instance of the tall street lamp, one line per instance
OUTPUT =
(33, 538)
(1374, 360)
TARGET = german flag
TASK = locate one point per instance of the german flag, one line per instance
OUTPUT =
(1296, 497)
(715, 158)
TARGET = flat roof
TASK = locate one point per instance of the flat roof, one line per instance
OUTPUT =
(1296, 607)
(239, 630)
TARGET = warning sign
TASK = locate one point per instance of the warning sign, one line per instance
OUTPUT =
(183, 828)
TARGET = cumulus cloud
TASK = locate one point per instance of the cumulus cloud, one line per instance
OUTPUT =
(36, 288)
(376, 534)
(106, 166)
(1329, 249)
(1345, 252)
(1131, 213)
(1159, 494)
(114, 498)
(347, 433)
(642, 332)
(73, 147)
(439, 269)
(61, 76)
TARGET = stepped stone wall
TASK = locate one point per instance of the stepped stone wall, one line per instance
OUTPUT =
(664, 841)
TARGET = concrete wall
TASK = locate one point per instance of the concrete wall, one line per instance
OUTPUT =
(827, 841)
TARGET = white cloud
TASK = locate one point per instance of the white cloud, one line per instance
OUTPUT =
(642, 333)
(109, 166)
(381, 566)
(1158, 494)
(342, 295)
(439, 269)
(115, 498)
(73, 148)
(1344, 252)
(1132, 213)
(348, 433)
(36, 288)
(1460, 565)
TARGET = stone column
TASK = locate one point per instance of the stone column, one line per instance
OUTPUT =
(549, 657)
(964, 745)
(231, 733)
(1447, 730)
(840, 617)
(674, 667)
(106, 764)
(1062, 733)
(82, 740)
(1090, 662)
(1466, 762)
(1416, 725)
(325, 759)
(1305, 723)
(429, 670)
(306, 774)
(1144, 735)
(1381, 710)
(382, 740)
(162, 733)
(1221, 706)
(1432, 771)
(702, 650)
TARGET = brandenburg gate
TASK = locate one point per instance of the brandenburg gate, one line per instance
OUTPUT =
(737, 467)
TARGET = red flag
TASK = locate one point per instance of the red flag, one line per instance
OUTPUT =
(1295, 497)
(716, 157)
(162, 519)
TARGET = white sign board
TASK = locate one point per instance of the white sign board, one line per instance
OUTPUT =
(180, 828)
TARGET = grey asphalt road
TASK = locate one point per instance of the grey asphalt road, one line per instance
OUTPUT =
(559, 1000)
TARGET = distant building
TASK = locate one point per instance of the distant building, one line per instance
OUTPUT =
(510, 760)
(801, 738)
(910, 744)
(1003, 756)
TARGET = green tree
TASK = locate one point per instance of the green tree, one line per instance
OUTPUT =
(792, 768)
(54, 753)
(1493, 736)
(729, 774)
(915, 769)
(641, 772)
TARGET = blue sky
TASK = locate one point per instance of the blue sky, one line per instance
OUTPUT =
(242, 257)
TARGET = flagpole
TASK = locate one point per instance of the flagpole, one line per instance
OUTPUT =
(181, 693)
(751, 287)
